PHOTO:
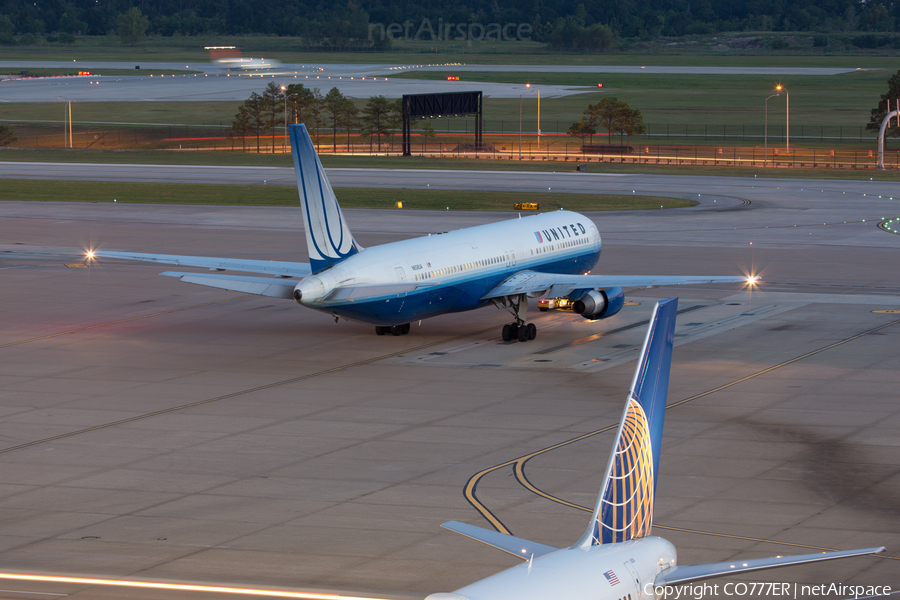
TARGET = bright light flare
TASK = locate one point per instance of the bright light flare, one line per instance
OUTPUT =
(159, 585)
(753, 280)
(89, 255)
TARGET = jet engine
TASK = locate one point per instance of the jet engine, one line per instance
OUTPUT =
(310, 289)
(599, 304)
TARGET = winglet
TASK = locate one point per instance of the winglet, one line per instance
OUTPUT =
(327, 236)
(624, 510)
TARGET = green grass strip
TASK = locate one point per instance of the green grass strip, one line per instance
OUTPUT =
(262, 195)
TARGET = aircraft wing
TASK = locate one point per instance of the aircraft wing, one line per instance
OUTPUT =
(523, 549)
(558, 284)
(265, 267)
(275, 287)
(689, 573)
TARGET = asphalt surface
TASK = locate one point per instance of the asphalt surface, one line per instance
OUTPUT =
(774, 211)
(159, 430)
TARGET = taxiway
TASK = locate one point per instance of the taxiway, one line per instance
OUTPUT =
(159, 430)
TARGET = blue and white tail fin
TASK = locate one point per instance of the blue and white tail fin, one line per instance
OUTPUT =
(327, 235)
(624, 509)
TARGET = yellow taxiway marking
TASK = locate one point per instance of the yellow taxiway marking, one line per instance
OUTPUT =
(76, 265)
(891, 311)
(186, 587)
(519, 463)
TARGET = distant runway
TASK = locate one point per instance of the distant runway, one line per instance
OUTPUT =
(355, 80)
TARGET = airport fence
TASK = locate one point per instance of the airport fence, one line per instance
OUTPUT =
(773, 152)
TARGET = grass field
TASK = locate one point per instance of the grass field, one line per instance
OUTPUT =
(179, 49)
(257, 195)
(666, 101)
(692, 99)
(162, 113)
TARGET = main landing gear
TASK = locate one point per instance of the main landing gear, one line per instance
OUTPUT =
(518, 329)
(395, 330)
(523, 332)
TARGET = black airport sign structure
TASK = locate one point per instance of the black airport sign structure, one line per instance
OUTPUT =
(455, 104)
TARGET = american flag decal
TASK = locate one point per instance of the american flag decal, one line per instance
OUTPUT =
(611, 577)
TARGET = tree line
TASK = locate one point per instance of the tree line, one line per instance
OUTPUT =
(261, 114)
(611, 114)
(588, 24)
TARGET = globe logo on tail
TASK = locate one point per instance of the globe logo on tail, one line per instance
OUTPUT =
(626, 507)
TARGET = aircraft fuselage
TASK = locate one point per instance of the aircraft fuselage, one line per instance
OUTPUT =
(451, 272)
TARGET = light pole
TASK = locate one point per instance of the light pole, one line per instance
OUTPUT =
(787, 112)
(766, 131)
(520, 126)
(67, 116)
(286, 96)
(528, 85)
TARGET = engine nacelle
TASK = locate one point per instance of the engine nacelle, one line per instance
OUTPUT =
(310, 289)
(600, 304)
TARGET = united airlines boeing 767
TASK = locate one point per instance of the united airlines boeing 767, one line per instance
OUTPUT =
(547, 255)
(617, 558)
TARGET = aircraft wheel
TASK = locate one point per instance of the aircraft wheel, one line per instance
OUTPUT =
(532, 331)
(506, 333)
(396, 330)
(513, 330)
(523, 333)
(404, 329)
(380, 330)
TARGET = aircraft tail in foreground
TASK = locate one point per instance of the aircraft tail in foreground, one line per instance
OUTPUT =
(327, 235)
(617, 557)
(624, 510)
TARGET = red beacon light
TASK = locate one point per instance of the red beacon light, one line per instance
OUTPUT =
(599, 85)
(452, 77)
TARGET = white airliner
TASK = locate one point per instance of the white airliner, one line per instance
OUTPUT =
(547, 255)
(617, 558)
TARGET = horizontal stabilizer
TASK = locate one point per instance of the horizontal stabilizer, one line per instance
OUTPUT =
(524, 549)
(689, 573)
(528, 282)
(259, 286)
(266, 267)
